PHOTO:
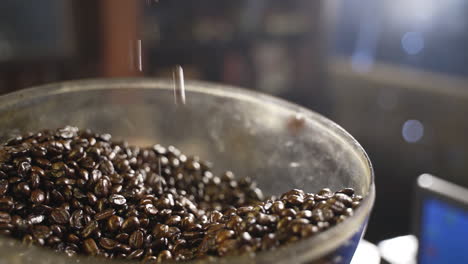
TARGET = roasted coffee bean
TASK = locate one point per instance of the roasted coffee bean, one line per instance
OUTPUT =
(164, 256)
(114, 223)
(136, 239)
(227, 246)
(107, 243)
(130, 224)
(223, 235)
(24, 168)
(89, 229)
(35, 219)
(117, 199)
(308, 230)
(288, 212)
(122, 237)
(277, 207)
(136, 254)
(348, 191)
(90, 247)
(3, 187)
(41, 231)
(5, 218)
(160, 231)
(6, 204)
(174, 220)
(104, 214)
(56, 230)
(60, 216)
(79, 192)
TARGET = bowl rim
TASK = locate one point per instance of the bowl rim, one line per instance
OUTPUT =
(333, 237)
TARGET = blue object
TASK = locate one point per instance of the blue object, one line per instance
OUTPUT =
(443, 233)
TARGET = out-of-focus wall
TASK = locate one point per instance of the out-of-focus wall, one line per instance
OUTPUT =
(410, 122)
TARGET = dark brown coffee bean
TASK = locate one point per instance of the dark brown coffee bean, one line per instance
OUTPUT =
(3, 187)
(309, 230)
(136, 239)
(53, 240)
(215, 216)
(24, 168)
(72, 238)
(60, 216)
(89, 229)
(5, 218)
(344, 198)
(85, 189)
(227, 246)
(223, 235)
(122, 237)
(114, 223)
(117, 199)
(283, 223)
(56, 230)
(269, 241)
(323, 225)
(160, 231)
(35, 219)
(102, 188)
(106, 167)
(174, 220)
(41, 231)
(214, 227)
(288, 212)
(107, 243)
(294, 200)
(6, 204)
(244, 210)
(164, 255)
(136, 254)
(278, 207)
(130, 224)
(35, 170)
(123, 248)
(348, 191)
(304, 214)
(90, 247)
(104, 214)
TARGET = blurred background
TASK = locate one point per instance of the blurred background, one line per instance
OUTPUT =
(391, 72)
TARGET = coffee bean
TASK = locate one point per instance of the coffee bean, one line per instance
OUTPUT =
(223, 235)
(130, 224)
(35, 219)
(3, 187)
(89, 229)
(90, 247)
(117, 199)
(136, 254)
(160, 231)
(5, 218)
(136, 239)
(104, 214)
(164, 256)
(174, 220)
(79, 192)
(114, 223)
(6, 204)
(41, 231)
(60, 216)
(122, 237)
(107, 243)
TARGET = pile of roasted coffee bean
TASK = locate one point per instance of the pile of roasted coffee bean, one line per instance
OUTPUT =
(82, 193)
